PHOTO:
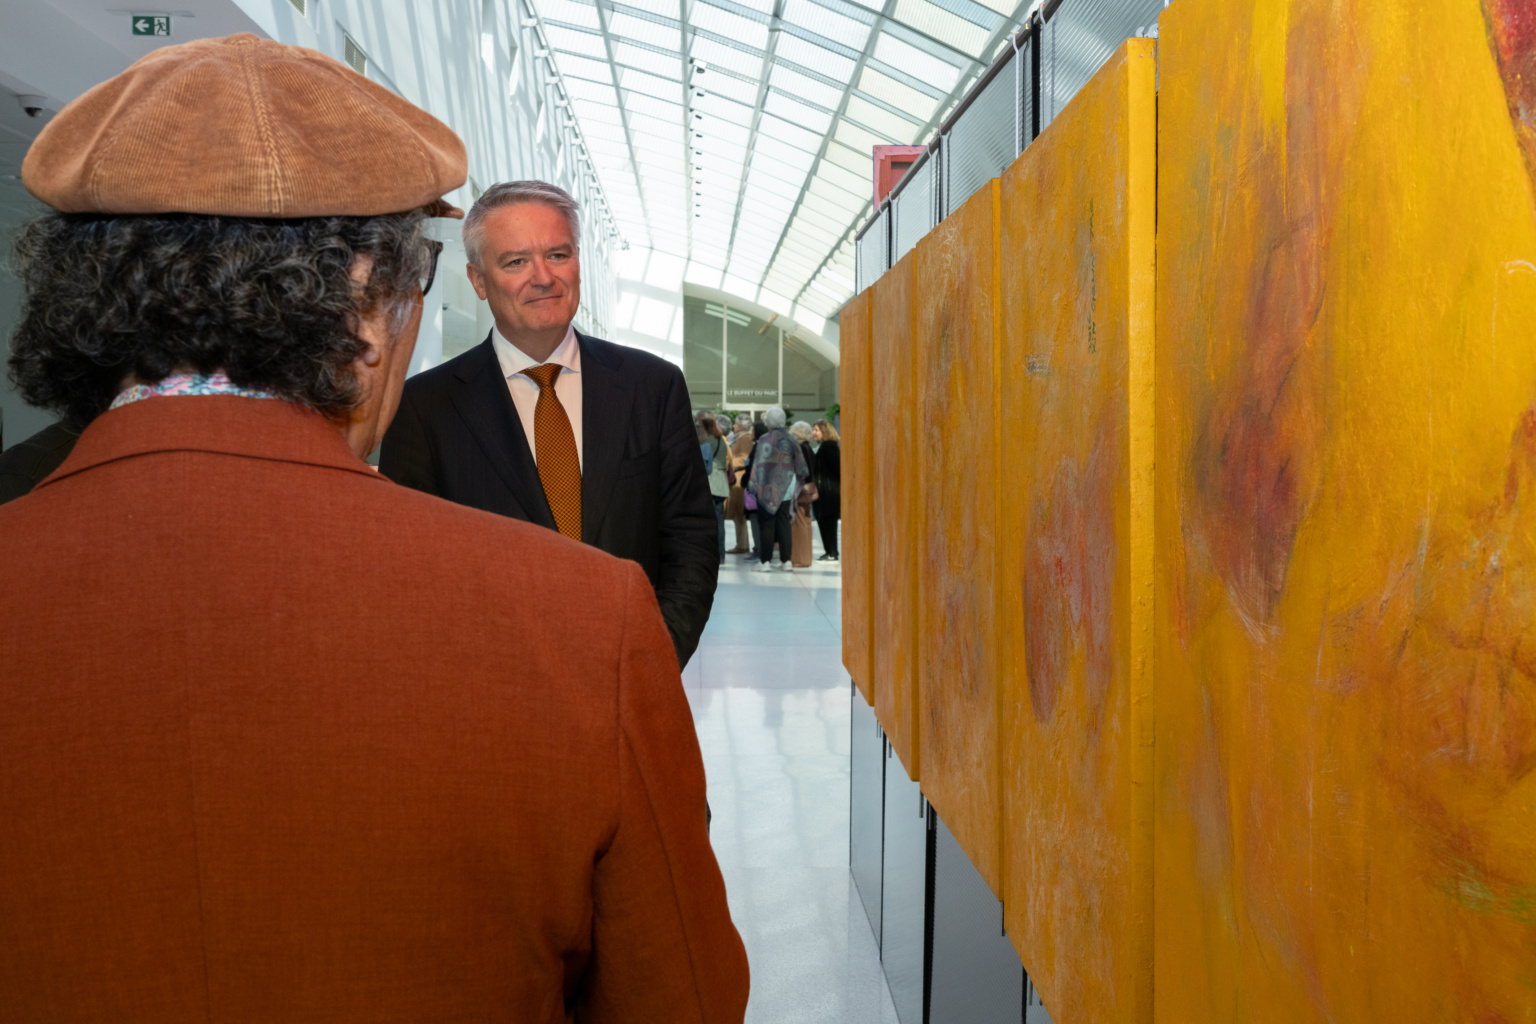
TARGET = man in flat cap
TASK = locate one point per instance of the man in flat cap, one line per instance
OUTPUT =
(280, 739)
(546, 424)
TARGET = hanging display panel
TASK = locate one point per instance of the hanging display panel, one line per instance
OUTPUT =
(955, 339)
(854, 399)
(898, 473)
(1346, 512)
(1075, 565)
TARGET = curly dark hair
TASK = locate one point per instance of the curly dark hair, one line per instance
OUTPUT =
(271, 303)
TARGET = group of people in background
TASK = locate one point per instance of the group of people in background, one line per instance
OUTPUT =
(779, 478)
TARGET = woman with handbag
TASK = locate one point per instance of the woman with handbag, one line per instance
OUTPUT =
(741, 441)
(716, 459)
(778, 471)
(829, 472)
(801, 529)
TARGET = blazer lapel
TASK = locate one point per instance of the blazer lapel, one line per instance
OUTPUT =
(487, 408)
(606, 398)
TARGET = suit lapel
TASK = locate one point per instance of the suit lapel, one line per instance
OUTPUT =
(487, 408)
(606, 398)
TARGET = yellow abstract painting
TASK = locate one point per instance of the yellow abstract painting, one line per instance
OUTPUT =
(955, 338)
(1346, 512)
(1074, 565)
(898, 473)
(855, 404)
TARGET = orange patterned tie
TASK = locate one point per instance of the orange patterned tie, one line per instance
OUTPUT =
(555, 450)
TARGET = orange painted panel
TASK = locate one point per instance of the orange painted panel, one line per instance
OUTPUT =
(955, 337)
(1346, 512)
(857, 548)
(897, 475)
(1075, 553)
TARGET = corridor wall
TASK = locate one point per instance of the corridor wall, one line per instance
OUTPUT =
(1075, 558)
(955, 341)
(1255, 616)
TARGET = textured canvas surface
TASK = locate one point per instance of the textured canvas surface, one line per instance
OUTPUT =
(898, 473)
(854, 398)
(1346, 512)
(955, 338)
(1075, 552)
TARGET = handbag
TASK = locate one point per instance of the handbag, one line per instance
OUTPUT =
(800, 539)
(751, 501)
(808, 493)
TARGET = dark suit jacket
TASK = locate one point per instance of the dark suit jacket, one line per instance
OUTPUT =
(644, 494)
(24, 465)
(282, 741)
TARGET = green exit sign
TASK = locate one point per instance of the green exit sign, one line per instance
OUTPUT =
(151, 24)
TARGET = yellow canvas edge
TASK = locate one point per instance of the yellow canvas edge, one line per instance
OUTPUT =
(1141, 187)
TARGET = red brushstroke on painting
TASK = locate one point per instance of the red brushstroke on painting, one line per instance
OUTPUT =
(1069, 573)
(1512, 34)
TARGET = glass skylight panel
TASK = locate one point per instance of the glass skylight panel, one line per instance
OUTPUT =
(666, 129)
(724, 131)
(958, 32)
(859, 185)
(587, 44)
(712, 107)
(746, 61)
(860, 140)
(813, 229)
(772, 153)
(573, 66)
(797, 113)
(570, 11)
(601, 131)
(828, 289)
(850, 160)
(845, 200)
(811, 89)
(642, 104)
(825, 208)
(819, 302)
(839, 28)
(596, 92)
(585, 109)
(791, 134)
(920, 64)
(794, 50)
(740, 286)
(668, 65)
(718, 82)
(667, 8)
(898, 94)
(710, 18)
(651, 85)
(877, 118)
(629, 26)
(840, 280)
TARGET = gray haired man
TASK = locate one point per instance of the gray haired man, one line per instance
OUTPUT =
(546, 424)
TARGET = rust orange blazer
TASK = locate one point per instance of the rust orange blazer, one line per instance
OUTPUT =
(283, 741)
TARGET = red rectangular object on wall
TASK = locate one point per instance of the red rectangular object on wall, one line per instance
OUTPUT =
(891, 162)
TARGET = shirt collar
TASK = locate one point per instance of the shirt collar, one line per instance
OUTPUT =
(514, 360)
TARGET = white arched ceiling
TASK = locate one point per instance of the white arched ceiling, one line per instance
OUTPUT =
(738, 136)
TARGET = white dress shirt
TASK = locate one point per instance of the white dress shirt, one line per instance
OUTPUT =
(525, 393)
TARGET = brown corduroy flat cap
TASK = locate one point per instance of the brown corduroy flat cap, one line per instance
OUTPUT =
(244, 127)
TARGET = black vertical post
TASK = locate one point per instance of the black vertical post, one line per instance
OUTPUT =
(929, 886)
(1035, 28)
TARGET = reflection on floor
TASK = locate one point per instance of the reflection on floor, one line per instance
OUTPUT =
(770, 698)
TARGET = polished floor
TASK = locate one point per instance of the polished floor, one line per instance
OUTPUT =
(770, 698)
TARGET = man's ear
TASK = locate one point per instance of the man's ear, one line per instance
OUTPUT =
(476, 278)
